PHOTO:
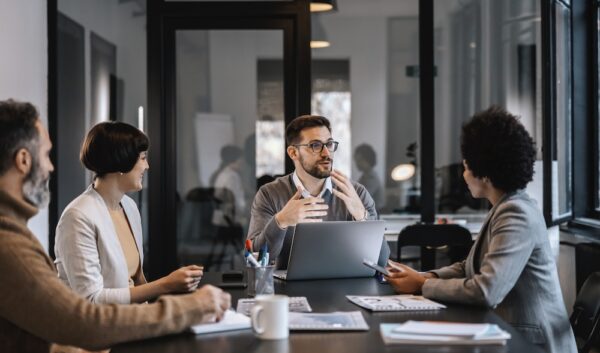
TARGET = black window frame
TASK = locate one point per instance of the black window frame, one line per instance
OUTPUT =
(594, 38)
(585, 120)
(549, 111)
(164, 19)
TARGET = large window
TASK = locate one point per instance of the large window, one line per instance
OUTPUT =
(562, 161)
(558, 142)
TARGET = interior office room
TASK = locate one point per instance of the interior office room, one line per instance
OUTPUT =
(213, 84)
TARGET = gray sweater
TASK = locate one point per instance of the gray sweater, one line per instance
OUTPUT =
(272, 197)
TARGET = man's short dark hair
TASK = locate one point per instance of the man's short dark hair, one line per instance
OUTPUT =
(17, 130)
(292, 132)
(367, 153)
(496, 145)
(112, 147)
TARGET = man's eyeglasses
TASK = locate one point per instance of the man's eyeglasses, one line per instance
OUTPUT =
(317, 146)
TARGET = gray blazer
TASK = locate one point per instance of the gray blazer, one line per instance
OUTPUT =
(89, 257)
(511, 269)
(272, 197)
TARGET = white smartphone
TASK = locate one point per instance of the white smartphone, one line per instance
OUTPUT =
(376, 267)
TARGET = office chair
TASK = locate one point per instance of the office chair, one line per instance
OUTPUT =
(586, 314)
(225, 233)
(586, 262)
(432, 236)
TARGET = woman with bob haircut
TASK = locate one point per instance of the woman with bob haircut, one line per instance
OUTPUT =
(99, 250)
(510, 267)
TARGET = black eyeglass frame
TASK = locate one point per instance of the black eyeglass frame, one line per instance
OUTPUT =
(314, 144)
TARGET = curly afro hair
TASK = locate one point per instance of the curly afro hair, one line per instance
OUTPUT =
(496, 145)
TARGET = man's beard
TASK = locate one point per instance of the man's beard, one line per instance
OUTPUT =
(314, 169)
(36, 188)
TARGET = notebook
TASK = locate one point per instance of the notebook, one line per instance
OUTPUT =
(231, 321)
(443, 333)
(395, 302)
(335, 321)
(297, 304)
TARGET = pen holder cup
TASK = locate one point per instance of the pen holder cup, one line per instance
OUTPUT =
(260, 280)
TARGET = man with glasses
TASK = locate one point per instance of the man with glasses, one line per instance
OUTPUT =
(314, 192)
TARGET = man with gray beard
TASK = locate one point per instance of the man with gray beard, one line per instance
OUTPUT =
(314, 192)
(36, 308)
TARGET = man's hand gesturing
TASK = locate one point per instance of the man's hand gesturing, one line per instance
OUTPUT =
(299, 210)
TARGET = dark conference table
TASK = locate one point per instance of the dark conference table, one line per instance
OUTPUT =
(327, 296)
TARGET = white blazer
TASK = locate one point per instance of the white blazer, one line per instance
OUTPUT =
(89, 257)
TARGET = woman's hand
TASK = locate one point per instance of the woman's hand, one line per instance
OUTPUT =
(404, 279)
(183, 280)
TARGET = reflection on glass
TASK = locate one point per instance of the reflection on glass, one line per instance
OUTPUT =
(402, 166)
(335, 106)
(562, 162)
(229, 132)
(269, 159)
(486, 52)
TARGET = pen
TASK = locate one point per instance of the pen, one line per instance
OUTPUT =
(250, 259)
(261, 253)
(249, 245)
(263, 257)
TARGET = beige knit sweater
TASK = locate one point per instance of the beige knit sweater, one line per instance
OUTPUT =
(37, 309)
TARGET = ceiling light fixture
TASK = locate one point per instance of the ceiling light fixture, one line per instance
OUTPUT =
(318, 37)
(323, 5)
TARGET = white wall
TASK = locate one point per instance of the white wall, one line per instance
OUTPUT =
(24, 68)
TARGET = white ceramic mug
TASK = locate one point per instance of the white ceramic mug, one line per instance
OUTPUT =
(270, 317)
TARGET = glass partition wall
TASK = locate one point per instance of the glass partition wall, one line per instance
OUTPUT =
(230, 134)
(486, 53)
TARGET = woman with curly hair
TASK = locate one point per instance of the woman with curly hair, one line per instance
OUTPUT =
(510, 268)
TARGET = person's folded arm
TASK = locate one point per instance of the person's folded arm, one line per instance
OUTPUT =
(509, 250)
(76, 242)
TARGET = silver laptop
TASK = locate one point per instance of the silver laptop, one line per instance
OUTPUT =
(333, 250)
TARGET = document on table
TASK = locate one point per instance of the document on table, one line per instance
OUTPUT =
(297, 304)
(446, 333)
(231, 321)
(335, 321)
(395, 302)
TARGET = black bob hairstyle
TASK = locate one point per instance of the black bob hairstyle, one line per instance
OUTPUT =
(112, 147)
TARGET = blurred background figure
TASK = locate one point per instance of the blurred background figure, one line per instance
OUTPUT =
(227, 181)
(366, 159)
